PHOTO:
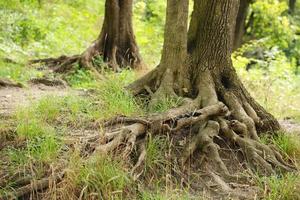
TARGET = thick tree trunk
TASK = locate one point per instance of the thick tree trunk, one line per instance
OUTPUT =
(202, 73)
(292, 5)
(213, 51)
(240, 27)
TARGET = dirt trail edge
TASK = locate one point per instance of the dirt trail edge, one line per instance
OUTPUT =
(13, 97)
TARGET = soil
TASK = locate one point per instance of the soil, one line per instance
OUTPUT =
(12, 97)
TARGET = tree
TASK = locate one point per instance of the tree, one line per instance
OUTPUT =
(200, 71)
(116, 42)
(196, 66)
(292, 4)
(240, 27)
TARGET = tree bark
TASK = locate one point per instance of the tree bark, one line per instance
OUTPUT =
(240, 27)
(196, 66)
(202, 73)
(116, 43)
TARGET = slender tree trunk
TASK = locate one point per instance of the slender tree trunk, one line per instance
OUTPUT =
(292, 5)
(240, 27)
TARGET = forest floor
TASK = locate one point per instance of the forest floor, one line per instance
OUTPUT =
(13, 98)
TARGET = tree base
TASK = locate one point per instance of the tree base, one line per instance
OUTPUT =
(214, 115)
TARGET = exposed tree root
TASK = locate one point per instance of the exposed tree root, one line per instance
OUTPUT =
(9, 83)
(28, 186)
(206, 118)
(49, 82)
(65, 64)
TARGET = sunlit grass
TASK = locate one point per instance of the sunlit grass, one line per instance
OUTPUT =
(98, 176)
(285, 187)
(289, 143)
(17, 72)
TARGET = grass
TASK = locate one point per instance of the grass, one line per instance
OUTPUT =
(17, 72)
(98, 177)
(288, 143)
(52, 30)
(280, 188)
(164, 104)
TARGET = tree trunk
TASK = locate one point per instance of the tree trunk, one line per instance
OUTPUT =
(240, 26)
(202, 74)
(292, 4)
(213, 50)
(116, 42)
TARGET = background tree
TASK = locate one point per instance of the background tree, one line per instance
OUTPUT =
(292, 4)
(240, 27)
(116, 43)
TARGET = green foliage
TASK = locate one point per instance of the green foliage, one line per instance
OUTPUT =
(270, 22)
(149, 20)
(280, 188)
(273, 84)
(81, 79)
(114, 99)
(50, 30)
(17, 72)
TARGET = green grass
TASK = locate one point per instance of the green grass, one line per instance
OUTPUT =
(289, 143)
(17, 72)
(98, 176)
(164, 104)
(156, 148)
(280, 188)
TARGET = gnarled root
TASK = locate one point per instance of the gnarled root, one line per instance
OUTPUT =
(259, 156)
(65, 64)
(28, 185)
(9, 83)
(204, 140)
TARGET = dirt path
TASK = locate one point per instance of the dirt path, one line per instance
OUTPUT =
(290, 126)
(12, 97)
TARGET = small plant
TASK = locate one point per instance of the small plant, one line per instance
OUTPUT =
(156, 149)
(115, 99)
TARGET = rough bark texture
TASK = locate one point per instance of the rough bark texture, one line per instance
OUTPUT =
(209, 81)
(116, 42)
